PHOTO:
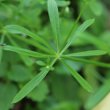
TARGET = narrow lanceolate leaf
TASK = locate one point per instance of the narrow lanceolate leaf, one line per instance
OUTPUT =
(25, 52)
(79, 30)
(98, 96)
(54, 18)
(16, 29)
(87, 53)
(30, 85)
(85, 61)
(33, 43)
(79, 78)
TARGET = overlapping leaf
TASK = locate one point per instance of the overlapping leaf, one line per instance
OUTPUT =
(30, 85)
(79, 30)
(16, 29)
(25, 52)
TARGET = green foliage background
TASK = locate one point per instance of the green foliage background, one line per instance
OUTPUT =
(58, 91)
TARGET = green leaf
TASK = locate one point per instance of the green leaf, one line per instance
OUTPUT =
(25, 52)
(33, 43)
(62, 3)
(87, 53)
(28, 61)
(30, 85)
(40, 92)
(98, 96)
(79, 78)
(40, 63)
(81, 29)
(89, 62)
(19, 73)
(54, 19)
(78, 31)
(15, 29)
(25, 3)
(7, 92)
(96, 7)
(94, 40)
(25, 59)
(60, 91)
(65, 105)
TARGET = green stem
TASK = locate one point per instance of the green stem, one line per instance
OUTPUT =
(75, 24)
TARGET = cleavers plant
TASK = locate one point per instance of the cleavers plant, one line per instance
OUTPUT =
(55, 53)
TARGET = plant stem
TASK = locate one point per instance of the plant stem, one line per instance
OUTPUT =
(75, 24)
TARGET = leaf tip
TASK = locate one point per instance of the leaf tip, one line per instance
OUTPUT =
(14, 100)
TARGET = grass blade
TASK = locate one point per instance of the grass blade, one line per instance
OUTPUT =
(25, 52)
(79, 78)
(87, 53)
(54, 19)
(30, 85)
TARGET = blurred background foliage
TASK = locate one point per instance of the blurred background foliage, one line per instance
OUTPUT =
(59, 91)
